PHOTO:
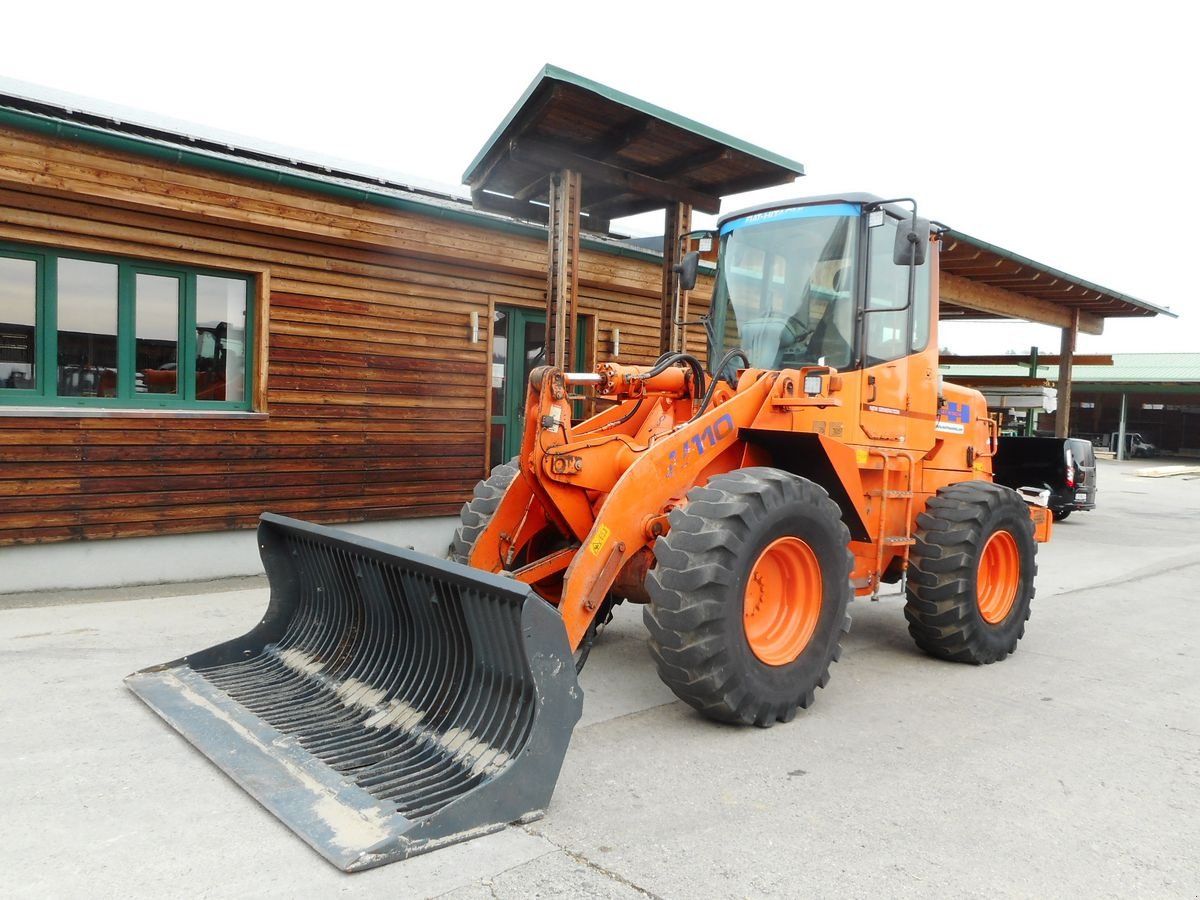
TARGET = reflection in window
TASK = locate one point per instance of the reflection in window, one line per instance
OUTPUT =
(87, 328)
(157, 353)
(101, 331)
(783, 292)
(499, 362)
(18, 315)
(220, 338)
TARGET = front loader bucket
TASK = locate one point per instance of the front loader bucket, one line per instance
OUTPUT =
(388, 703)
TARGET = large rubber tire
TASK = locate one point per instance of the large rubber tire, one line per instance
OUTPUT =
(478, 511)
(474, 517)
(738, 534)
(970, 576)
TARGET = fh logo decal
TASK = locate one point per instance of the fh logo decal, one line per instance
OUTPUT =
(699, 444)
(955, 418)
(956, 412)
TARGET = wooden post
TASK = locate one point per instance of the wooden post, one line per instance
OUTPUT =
(562, 279)
(678, 223)
(1066, 356)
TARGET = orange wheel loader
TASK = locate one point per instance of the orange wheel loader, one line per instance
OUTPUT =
(390, 703)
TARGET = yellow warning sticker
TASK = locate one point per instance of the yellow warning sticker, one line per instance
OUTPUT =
(861, 456)
(599, 540)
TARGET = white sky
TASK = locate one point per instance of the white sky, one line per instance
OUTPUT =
(1063, 131)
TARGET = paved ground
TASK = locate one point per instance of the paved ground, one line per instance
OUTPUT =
(1071, 769)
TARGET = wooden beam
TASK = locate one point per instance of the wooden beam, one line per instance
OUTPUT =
(620, 137)
(562, 280)
(499, 151)
(510, 206)
(1022, 359)
(540, 153)
(973, 295)
(678, 223)
(533, 189)
(681, 165)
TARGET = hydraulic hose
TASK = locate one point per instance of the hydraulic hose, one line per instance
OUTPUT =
(735, 353)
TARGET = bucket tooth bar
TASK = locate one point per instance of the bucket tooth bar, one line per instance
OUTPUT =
(387, 704)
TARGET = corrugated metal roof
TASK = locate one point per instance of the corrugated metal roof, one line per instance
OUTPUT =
(1159, 368)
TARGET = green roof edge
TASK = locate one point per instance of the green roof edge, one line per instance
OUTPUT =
(101, 137)
(550, 71)
(1026, 261)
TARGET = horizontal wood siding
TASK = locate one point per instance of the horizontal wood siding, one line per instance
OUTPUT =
(376, 398)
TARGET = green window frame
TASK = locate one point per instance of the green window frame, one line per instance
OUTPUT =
(132, 390)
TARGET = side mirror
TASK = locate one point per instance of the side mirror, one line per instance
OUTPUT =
(912, 239)
(688, 269)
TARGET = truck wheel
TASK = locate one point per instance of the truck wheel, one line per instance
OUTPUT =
(970, 577)
(748, 596)
(1060, 514)
(478, 511)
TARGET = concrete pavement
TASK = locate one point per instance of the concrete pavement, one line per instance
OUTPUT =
(1071, 769)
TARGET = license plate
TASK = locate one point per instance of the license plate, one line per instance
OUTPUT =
(1081, 495)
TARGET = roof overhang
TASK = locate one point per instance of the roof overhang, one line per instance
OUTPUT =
(982, 281)
(634, 157)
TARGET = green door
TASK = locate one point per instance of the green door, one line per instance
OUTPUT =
(518, 347)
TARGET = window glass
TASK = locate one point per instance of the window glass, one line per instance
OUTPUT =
(220, 338)
(921, 308)
(18, 316)
(887, 333)
(116, 333)
(499, 363)
(87, 328)
(784, 291)
(157, 353)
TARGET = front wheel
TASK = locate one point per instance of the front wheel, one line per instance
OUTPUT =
(970, 577)
(748, 596)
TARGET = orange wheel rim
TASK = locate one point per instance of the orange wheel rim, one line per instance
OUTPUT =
(783, 601)
(999, 577)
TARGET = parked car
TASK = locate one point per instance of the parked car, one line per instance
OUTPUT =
(1135, 445)
(1064, 467)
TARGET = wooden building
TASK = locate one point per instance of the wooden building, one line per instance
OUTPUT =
(191, 333)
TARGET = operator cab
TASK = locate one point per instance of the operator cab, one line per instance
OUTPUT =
(831, 281)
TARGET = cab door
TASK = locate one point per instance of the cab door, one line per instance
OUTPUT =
(898, 372)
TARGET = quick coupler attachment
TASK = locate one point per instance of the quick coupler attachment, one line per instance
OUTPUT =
(388, 703)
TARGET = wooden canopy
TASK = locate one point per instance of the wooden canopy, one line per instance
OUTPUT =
(982, 281)
(633, 156)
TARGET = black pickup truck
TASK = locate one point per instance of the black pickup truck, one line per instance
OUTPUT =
(1065, 467)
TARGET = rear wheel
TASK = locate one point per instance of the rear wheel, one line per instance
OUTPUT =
(478, 511)
(474, 518)
(970, 577)
(748, 596)
(1060, 514)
